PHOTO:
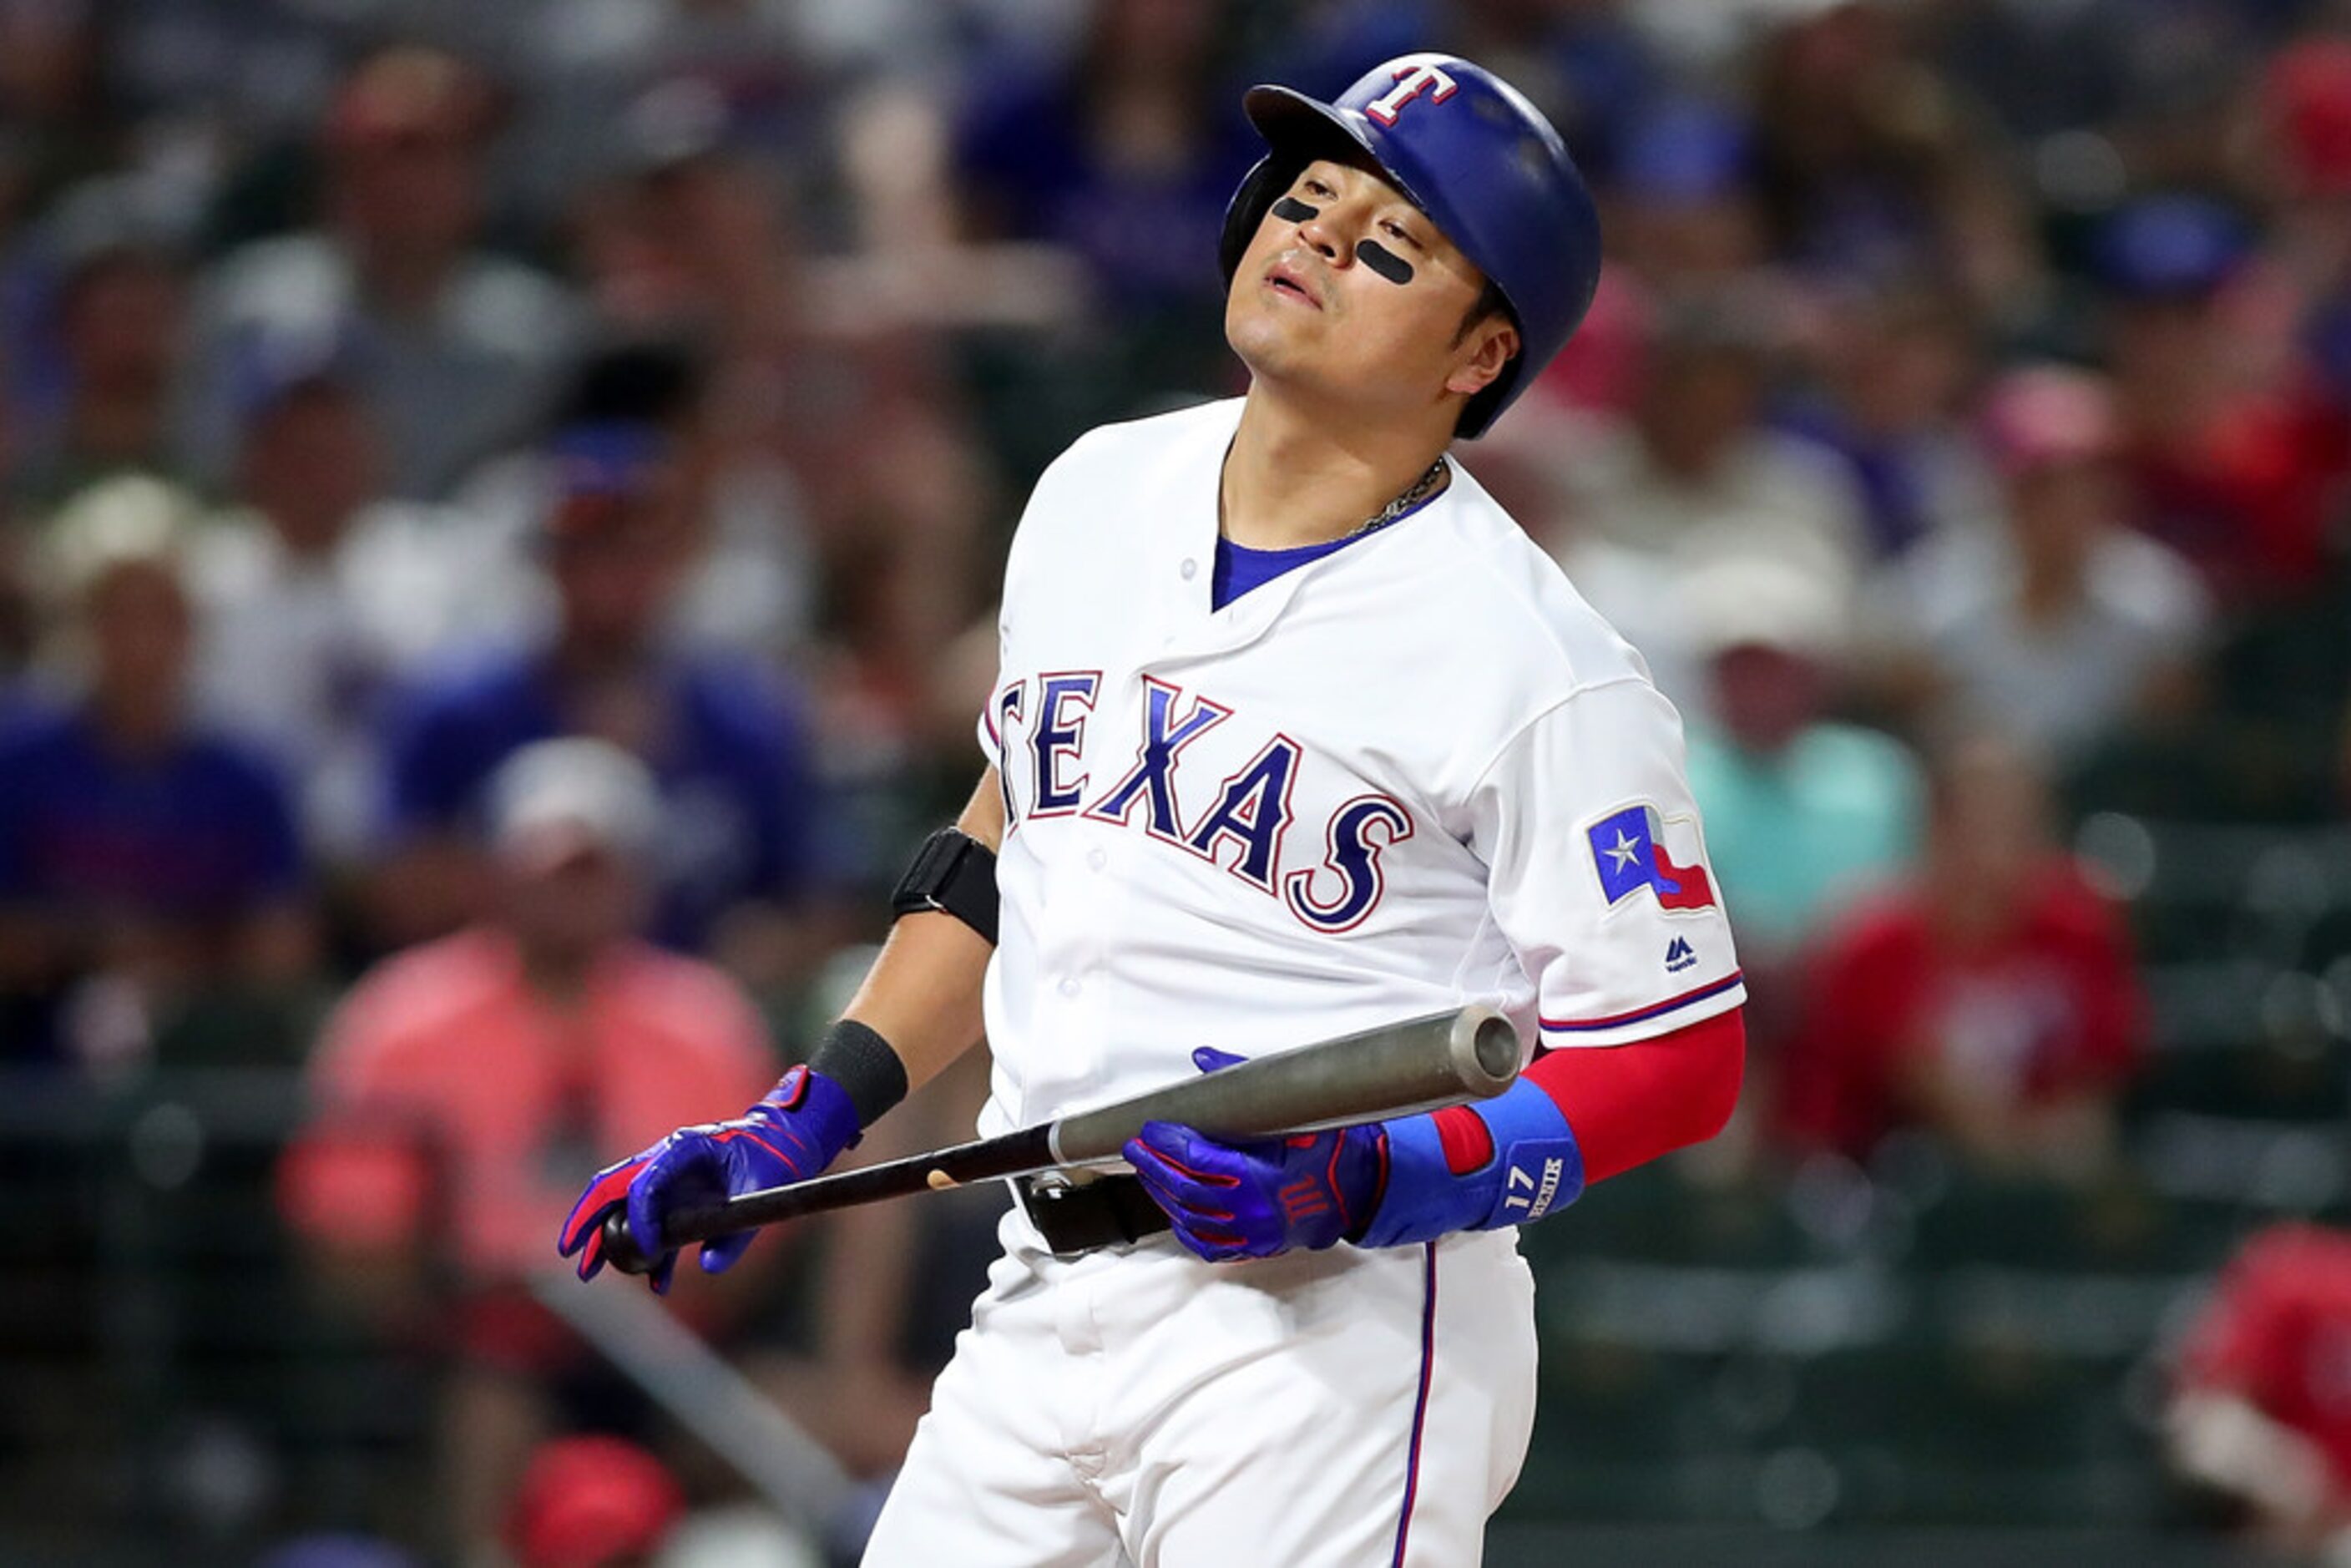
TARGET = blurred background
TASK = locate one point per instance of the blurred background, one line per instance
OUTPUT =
(502, 508)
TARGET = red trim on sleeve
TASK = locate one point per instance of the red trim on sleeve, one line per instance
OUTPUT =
(1630, 1103)
(1643, 1014)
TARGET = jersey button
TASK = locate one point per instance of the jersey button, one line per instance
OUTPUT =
(1189, 569)
(1069, 986)
(1096, 859)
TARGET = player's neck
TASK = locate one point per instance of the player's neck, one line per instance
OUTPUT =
(1295, 476)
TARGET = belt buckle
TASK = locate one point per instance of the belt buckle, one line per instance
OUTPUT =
(1042, 1198)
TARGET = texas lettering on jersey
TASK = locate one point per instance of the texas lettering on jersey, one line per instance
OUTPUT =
(1241, 823)
(1364, 791)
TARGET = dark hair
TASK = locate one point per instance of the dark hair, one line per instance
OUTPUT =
(637, 381)
(1490, 302)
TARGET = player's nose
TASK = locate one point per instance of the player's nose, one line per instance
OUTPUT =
(1318, 236)
(1323, 231)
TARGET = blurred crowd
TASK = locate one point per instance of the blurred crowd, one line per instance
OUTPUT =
(502, 506)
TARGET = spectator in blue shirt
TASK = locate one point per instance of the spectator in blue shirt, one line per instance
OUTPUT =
(147, 863)
(1113, 151)
(1803, 812)
(96, 382)
(738, 855)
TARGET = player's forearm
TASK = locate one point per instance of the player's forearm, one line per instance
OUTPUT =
(1632, 1103)
(921, 995)
(1626, 1104)
(1574, 1118)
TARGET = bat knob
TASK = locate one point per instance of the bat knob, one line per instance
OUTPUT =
(620, 1248)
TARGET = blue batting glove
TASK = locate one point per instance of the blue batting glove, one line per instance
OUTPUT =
(1257, 1198)
(792, 1134)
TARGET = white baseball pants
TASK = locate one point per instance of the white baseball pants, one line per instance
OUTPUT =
(1139, 1408)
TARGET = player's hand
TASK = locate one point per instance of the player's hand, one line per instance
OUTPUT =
(1257, 1198)
(792, 1134)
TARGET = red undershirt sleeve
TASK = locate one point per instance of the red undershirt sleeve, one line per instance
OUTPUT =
(1628, 1103)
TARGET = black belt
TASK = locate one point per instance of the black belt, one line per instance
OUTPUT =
(1078, 1217)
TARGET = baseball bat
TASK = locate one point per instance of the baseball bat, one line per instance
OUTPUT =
(706, 1395)
(1394, 1070)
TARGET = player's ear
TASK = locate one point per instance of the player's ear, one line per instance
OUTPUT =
(1485, 350)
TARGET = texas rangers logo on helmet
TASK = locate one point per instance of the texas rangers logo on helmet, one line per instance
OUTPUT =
(1411, 82)
(1628, 851)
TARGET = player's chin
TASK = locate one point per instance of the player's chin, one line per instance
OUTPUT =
(1248, 338)
(1281, 351)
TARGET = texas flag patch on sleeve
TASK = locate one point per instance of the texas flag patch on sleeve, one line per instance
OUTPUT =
(1630, 851)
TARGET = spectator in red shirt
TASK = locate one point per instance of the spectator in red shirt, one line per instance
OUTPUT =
(2233, 463)
(591, 1501)
(2261, 1411)
(465, 1084)
(1991, 1000)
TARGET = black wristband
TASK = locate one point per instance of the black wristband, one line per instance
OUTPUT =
(865, 1065)
(955, 874)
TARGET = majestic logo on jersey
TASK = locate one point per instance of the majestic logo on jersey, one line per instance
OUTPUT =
(1679, 955)
(1243, 823)
(1628, 850)
(1410, 83)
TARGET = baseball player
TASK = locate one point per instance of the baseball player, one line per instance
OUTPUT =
(1295, 733)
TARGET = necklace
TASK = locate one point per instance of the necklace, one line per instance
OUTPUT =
(1432, 479)
(1419, 490)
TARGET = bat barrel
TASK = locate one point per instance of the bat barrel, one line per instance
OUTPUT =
(1394, 1069)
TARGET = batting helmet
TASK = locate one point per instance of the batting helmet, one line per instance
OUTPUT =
(1467, 148)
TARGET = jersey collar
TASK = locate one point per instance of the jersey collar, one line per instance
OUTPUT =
(1181, 556)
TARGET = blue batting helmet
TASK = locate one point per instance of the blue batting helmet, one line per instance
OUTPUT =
(1464, 147)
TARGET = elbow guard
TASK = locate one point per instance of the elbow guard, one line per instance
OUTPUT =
(954, 873)
(1535, 1167)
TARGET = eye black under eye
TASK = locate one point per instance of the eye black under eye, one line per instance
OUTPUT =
(1384, 261)
(1290, 210)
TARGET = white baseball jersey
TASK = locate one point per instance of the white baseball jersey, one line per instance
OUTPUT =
(1415, 773)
